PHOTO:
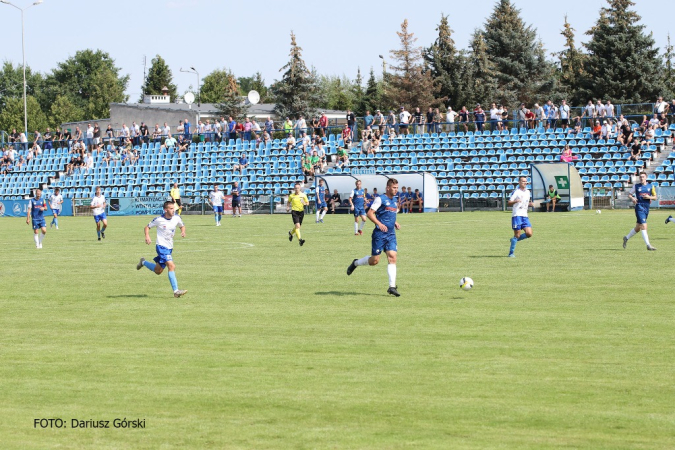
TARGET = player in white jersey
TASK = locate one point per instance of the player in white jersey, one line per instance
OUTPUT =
(216, 198)
(55, 202)
(98, 206)
(520, 201)
(166, 225)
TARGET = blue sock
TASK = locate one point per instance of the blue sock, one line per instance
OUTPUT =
(522, 236)
(149, 265)
(513, 245)
(103, 229)
(172, 279)
(98, 232)
(216, 217)
(220, 216)
(56, 221)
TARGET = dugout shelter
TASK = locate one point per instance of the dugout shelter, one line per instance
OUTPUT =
(564, 177)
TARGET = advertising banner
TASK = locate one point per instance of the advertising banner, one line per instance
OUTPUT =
(19, 208)
(665, 197)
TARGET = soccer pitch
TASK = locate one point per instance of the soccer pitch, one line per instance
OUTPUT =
(568, 345)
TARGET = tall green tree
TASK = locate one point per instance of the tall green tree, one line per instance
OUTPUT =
(358, 94)
(519, 58)
(159, 76)
(254, 83)
(480, 74)
(623, 63)
(215, 85)
(409, 84)
(371, 98)
(335, 92)
(446, 63)
(11, 84)
(232, 102)
(571, 66)
(669, 71)
(12, 115)
(91, 81)
(297, 91)
(63, 110)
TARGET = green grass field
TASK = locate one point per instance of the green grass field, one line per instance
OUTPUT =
(569, 345)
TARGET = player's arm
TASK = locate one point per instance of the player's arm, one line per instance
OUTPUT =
(371, 215)
(351, 205)
(304, 200)
(28, 212)
(182, 231)
(631, 195)
(513, 200)
(146, 230)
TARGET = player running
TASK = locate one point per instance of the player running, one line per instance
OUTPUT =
(297, 201)
(641, 195)
(98, 204)
(383, 214)
(36, 209)
(55, 202)
(520, 201)
(216, 198)
(321, 205)
(166, 225)
(358, 206)
(175, 195)
(236, 199)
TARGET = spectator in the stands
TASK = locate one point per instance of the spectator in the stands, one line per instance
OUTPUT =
(438, 118)
(368, 120)
(232, 128)
(156, 134)
(347, 136)
(649, 134)
(169, 143)
(290, 142)
(288, 126)
(567, 155)
(495, 117)
(47, 140)
(323, 124)
(564, 113)
(351, 122)
(479, 117)
(605, 130)
(429, 119)
(635, 151)
(609, 110)
(464, 118)
(391, 124)
(596, 133)
(342, 157)
(450, 117)
(243, 164)
(504, 122)
(255, 129)
(577, 126)
(522, 116)
(625, 134)
(660, 107)
(403, 121)
(552, 198)
(269, 126)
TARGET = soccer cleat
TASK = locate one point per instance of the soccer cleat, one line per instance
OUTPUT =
(179, 293)
(57, 227)
(351, 268)
(290, 237)
(356, 234)
(511, 255)
(139, 266)
(392, 290)
(52, 224)
(99, 238)
(103, 234)
(360, 232)
(302, 242)
(649, 247)
(667, 220)
(320, 220)
(625, 241)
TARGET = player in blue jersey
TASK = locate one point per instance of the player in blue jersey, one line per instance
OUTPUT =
(166, 225)
(403, 200)
(383, 214)
(321, 205)
(36, 209)
(55, 202)
(520, 201)
(357, 204)
(641, 195)
(369, 199)
(236, 199)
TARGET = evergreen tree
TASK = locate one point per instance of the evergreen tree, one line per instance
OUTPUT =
(571, 66)
(159, 76)
(410, 85)
(623, 64)
(358, 94)
(520, 62)
(445, 63)
(232, 103)
(371, 98)
(669, 71)
(297, 91)
(480, 74)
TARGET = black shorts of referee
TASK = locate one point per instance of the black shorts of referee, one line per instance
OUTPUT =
(297, 216)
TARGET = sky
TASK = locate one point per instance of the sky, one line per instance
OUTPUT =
(248, 37)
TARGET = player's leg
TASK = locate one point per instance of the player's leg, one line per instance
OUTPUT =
(363, 223)
(527, 233)
(670, 219)
(324, 210)
(36, 237)
(98, 226)
(172, 279)
(356, 223)
(553, 201)
(215, 214)
(645, 236)
(41, 236)
(318, 212)
(515, 225)
(105, 225)
(391, 250)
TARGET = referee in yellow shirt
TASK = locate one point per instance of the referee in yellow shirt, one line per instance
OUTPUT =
(297, 201)
(175, 195)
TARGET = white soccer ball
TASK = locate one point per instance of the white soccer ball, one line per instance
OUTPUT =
(466, 283)
(598, 212)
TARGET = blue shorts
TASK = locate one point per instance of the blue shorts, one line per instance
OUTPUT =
(56, 212)
(40, 223)
(641, 213)
(383, 241)
(520, 222)
(100, 217)
(359, 212)
(236, 202)
(163, 255)
(218, 209)
(321, 205)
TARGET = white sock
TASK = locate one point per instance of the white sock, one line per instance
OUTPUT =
(318, 213)
(323, 213)
(363, 261)
(40, 237)
(672, 219)
(36, 239)
(356, 227)
(363, 224)
(645, 237)
(631, 234)
(391, 271)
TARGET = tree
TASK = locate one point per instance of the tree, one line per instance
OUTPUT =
(335, 92)
(232, 103)
(410, 85)
(215, 85)
(571, 66)
(358, 94)
(519, 58)
(12, 115)
(623, 64)
(63, 110)
(669, 70)
(254, 83)
(297, 91)
(159, 76)
(445, 63)
(371, 98)
(80, 78)
(11, 83)
(480, 74)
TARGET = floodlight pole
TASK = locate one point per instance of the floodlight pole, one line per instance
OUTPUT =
(199, 88)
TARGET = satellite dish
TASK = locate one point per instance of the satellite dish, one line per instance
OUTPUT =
(189, 98)
(253, 97)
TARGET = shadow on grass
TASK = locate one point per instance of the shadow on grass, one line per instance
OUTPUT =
(488, 256)
(128, 296)
(344, 294)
